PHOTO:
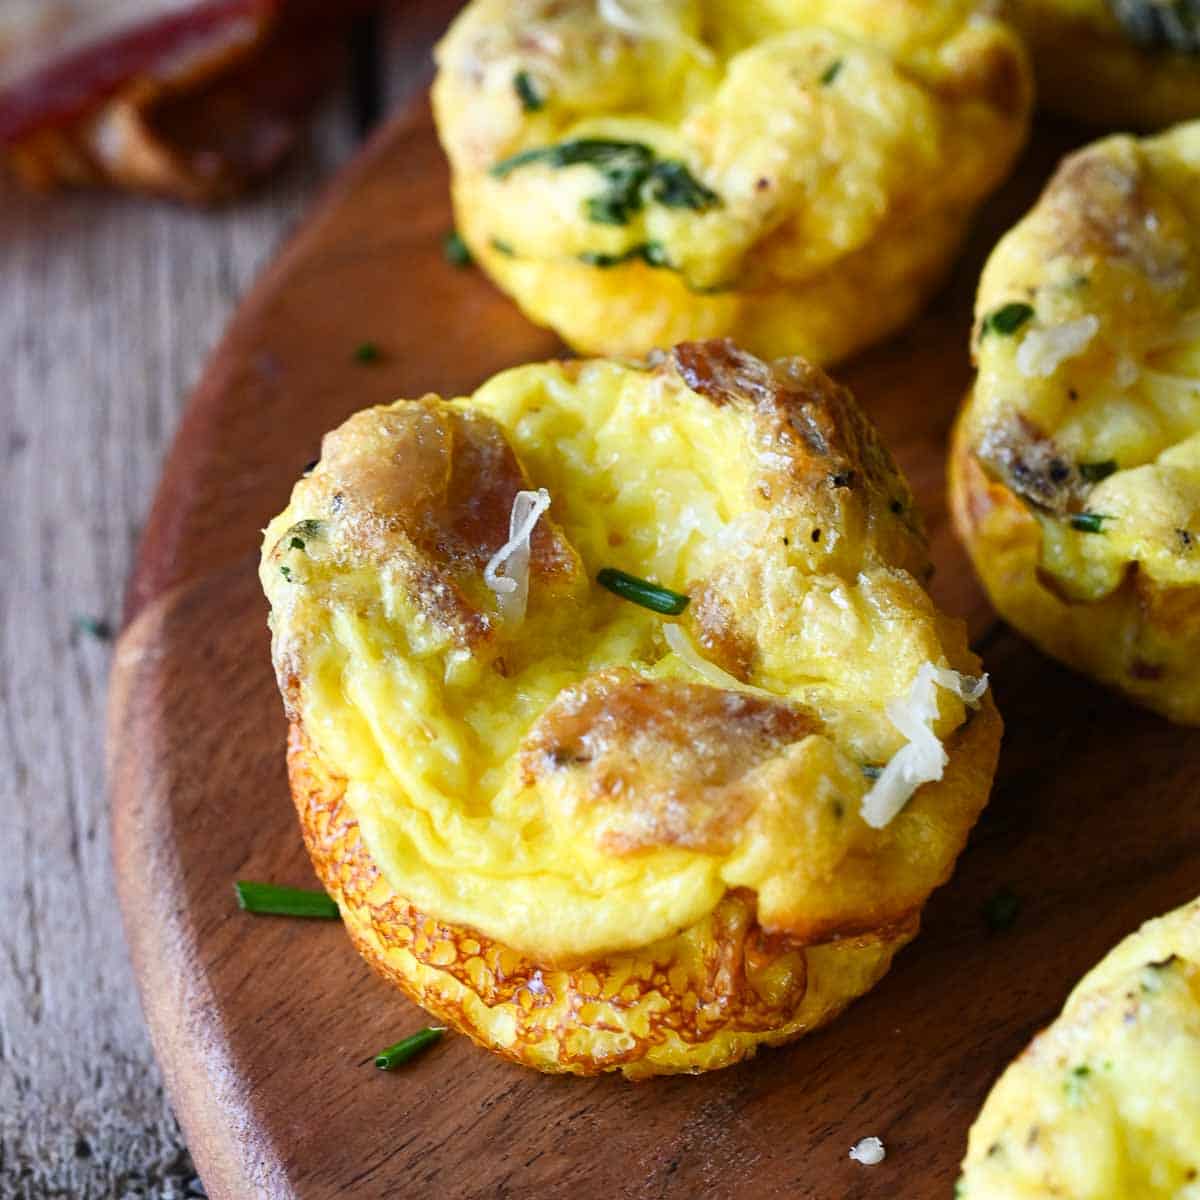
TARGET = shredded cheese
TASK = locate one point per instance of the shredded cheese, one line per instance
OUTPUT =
(512, 588)
(614, 13)
(924, 758)
(1042, 351)
(679, 641)
(869, 1151)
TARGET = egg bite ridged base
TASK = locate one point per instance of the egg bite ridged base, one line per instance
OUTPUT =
(705, 998)
(1075, 462)
(596, 834)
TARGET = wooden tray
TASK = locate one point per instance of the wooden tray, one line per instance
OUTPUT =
(265, 1028)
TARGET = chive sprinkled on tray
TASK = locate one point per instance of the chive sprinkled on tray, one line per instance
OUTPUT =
(407, 1049)
(1007, 319)
(831, 72)
(1089, 522)
(95, 627)
(272, 900)
(527, 93)
(639, 591)
(366, 352)
(455, 251)
(1001, 909)
(1094, 472)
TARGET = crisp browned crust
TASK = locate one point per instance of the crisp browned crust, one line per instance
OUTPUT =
(705, 998)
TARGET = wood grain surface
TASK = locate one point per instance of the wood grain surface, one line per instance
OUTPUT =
(109, 306)
(266, 1027)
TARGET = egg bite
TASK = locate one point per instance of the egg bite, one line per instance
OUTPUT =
(1075, 467)
(1123, 64)
(795, 174)
(1105, 1103)
(623, 731)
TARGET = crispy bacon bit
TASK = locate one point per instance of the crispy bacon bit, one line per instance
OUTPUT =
(429, 489)
(673, 763)
(1032, 466)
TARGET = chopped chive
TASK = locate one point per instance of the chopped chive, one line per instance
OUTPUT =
(531, 100)
(455, 251)
(1094, 472)
(503, 248)
(366, 352)
(1001, 909)
(409, 1048)
(639, 591)
(296, 544)
(653, 254)
(1089, 522)
(286, 572)
(270, 899)
(1007, 319)
(831, 72)
(871, 771)
(1073, 1085)
(95, 627)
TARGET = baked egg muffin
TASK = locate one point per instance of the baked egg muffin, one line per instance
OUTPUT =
(1075, 472)
(1105, 1103)
(623, 731)
(1126, 64)
(796, 174)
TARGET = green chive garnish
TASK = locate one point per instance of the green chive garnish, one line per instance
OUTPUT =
(366, 352)
(831, 72)
(504, 248)
(286, 572)
(1089, 522)
(1094, 472)
(1001, 909)
(397, 1055)
(95, 627)
(455, 250)
(268, 898)
(296, 544)
(1008, 319)
(639, 591)
(531, 100)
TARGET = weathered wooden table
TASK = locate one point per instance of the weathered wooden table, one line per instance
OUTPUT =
(108, 307)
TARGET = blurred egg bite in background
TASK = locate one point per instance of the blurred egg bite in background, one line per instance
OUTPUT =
(1125, 64)
(623, 731)
(1075, 471)
(1105, 1104)
(797, 174)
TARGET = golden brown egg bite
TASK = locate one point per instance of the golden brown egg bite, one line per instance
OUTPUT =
(1075, 469)
(1105, 1103)
(1125, 64)
(594, 833)
(796, 174)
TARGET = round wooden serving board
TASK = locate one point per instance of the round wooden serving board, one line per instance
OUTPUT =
(266, 1027)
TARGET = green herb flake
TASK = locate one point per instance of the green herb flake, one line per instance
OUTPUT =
(1089, 522)
(831, 72)
(296, 544)
(653, 254)
(286, 572)
(674, 186)
(366, 353)
(407, 1049)
(268, 899)
(527, 93)
(1094, 472)
(1074, 1083)
(455, 251)
(1007, 319)
(631, 170)
(640, 591)
(95, 627)
(502, 247)
(1001, 909)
